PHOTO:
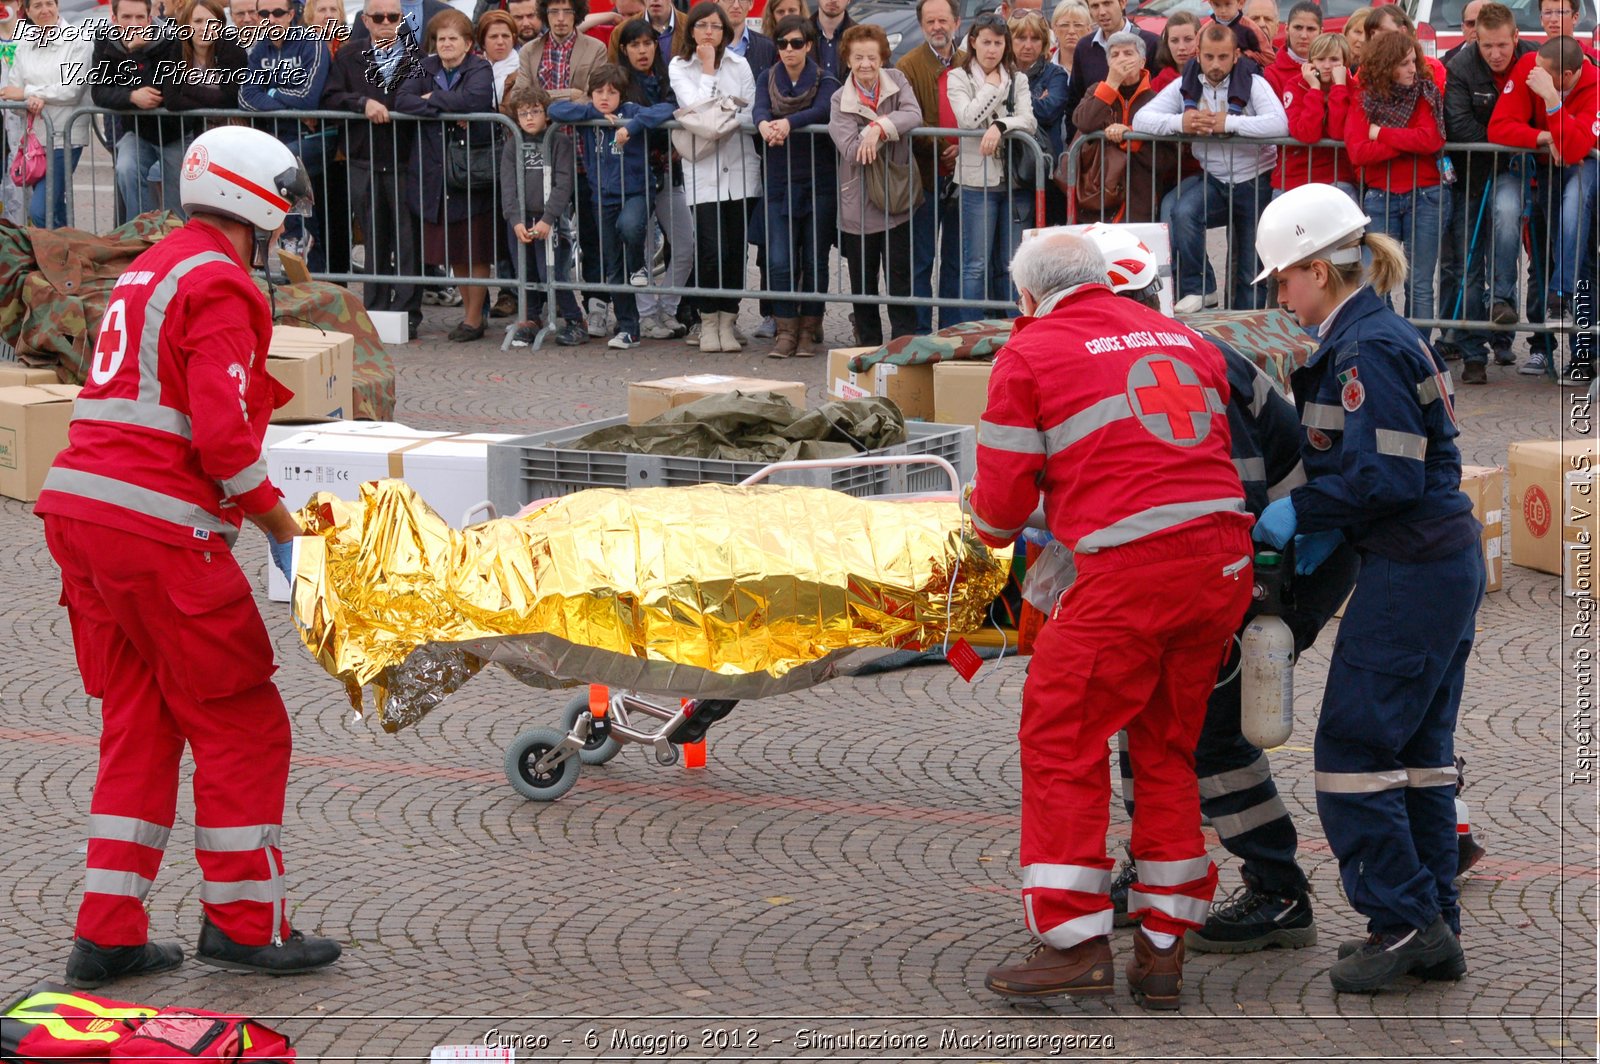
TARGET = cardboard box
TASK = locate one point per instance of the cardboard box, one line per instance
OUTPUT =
(648, 399)
(909, 387)
(33, 430)
(16, 375)
(319, 367)
(960, 391)
(449, 470)
(1544, 503)
(1485, 486)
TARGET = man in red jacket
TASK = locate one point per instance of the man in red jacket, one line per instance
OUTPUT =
(1118, 415)
(1552, 102)
(164, 463)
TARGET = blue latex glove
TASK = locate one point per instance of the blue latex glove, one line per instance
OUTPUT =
(1313, 548)
(1276, 525)
(282, 556)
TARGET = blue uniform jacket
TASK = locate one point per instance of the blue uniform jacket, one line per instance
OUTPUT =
(615, 176)
(1265, 432)
(1381, 463)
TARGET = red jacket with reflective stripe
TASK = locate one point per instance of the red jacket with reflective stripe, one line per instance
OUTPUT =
(1520, 116)
(166, 435)
(1402, 159)
(1314, 114)
(1118, 414)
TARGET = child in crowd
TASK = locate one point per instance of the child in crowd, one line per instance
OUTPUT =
(619, 173)
(1318, 102)
(1251, 41)
(546, 184)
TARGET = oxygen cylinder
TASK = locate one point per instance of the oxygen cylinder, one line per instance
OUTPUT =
(1266, 652)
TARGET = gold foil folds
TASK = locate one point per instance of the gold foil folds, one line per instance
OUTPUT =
(692, 592)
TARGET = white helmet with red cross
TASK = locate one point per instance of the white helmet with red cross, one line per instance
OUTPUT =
(1130, 265)
(244, 174)
(1310, 220)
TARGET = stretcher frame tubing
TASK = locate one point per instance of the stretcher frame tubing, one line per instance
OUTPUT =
(612, 711)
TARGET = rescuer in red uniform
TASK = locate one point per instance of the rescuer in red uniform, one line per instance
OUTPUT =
(141, 511)
(1117, 415)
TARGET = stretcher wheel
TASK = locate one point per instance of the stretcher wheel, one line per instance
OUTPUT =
(525, 750)
(596, 750)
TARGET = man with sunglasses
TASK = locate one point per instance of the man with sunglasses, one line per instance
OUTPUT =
(416, 14)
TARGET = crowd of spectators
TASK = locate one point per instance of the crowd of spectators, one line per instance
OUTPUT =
(801, 137)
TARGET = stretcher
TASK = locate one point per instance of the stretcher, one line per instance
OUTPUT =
(544, 763)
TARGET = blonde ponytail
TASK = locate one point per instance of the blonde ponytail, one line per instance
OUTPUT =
(1386, 273)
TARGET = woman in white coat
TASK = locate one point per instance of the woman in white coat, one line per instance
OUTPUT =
(989, 93)
(718, 184)
(50, 72)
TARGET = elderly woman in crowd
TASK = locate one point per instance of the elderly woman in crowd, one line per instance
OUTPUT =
(988, 92)
(1109, 107)
(458, 225)
(50, 71)
(327, 17)
(718, 184)
(869, 120)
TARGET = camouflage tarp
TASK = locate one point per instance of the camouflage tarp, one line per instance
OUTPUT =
(1269, 337)
(54, 282)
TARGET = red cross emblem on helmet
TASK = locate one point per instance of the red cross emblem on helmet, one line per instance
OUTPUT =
(1167, 397)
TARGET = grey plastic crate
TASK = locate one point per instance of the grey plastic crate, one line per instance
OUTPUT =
(536, 467)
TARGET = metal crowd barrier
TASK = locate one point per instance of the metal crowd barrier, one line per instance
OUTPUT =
(17, 200)
(1455, 234)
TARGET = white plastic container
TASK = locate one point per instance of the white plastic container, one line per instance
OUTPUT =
(392, 326)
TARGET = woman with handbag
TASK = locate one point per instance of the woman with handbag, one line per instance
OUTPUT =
(1118, 179)
(990, 94)
(452, 189)
(716, 91)
(50, 71)
(879, 186)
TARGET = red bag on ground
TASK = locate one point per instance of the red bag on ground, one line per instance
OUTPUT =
(174, 1034)
(54, 1022)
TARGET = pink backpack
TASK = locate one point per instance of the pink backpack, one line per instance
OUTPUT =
(28, 168)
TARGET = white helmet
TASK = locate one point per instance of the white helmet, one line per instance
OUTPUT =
(245, 174)
(1304, 221)
(1130, 265)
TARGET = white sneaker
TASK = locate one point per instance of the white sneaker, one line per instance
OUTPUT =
(692, 337)
(623, 341)
(767, 329)
(640, 279)
(449, 297)
(1535, 365)
(665, 328)
(1188, 305)
(597, 318)
(1577, 375)
(1213, 298)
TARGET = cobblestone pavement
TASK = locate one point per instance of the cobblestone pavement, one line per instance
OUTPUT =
(844, 866)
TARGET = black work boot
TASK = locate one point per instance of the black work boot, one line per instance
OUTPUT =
(295, 955)
(92, 966)
(1252, 919)
(1434, 953)
(1119, 893)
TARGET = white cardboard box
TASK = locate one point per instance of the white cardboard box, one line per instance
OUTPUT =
(449, 470)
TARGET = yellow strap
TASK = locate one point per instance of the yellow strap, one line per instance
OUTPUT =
(61, 1026)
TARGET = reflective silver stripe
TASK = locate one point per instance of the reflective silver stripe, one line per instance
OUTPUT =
(265, 891)
(1295, 478)
(1066, 877)
(1016, 438)
(1360, 782)
(1235, 780)
(140, 500)
(1107, 411)
(1251, 469)
(1443, 776)
(122, 884)
(155, 315)
(128, 829)
(1401, 444)
(1214, 401)
(246, 480)
(1069, 933)
(1323, 416)
(1230, 825)
(133, 412)
(237, 840)
(1173, 873)
(1155, 519)
(1261, 389)
(996, 533)
(1428, 390)
(1178, 906)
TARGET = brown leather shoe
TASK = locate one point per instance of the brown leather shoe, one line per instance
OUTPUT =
(1083, 970)
(1155, 976)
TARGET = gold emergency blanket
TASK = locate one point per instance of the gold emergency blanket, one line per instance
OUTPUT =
(705, 591)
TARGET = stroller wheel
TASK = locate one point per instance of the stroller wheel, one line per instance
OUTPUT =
(596, 750)
(525, 751)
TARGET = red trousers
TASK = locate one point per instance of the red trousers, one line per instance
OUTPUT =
(170, 640)
(1134, 644)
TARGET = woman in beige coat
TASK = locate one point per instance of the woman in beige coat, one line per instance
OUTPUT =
(870, 122)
